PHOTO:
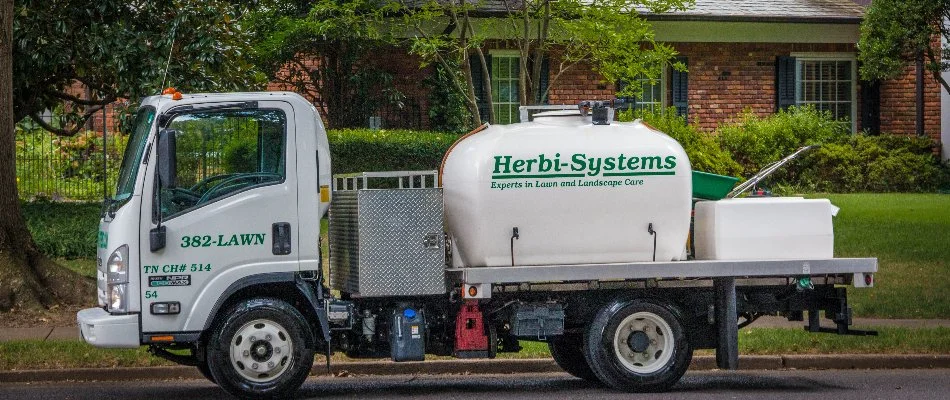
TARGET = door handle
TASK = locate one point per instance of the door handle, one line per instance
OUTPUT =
(281, 235)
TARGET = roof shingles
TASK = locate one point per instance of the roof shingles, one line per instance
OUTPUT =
(773, 9)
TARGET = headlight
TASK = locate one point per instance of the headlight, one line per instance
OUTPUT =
(118, 297)
(117, 277)
(118, 266)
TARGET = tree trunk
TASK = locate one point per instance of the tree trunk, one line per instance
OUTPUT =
(27, 278)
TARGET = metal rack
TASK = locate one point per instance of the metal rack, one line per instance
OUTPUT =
(406, 179)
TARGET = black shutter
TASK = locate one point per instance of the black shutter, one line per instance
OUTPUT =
(679, 82)
(871, 106)
(543, 80)
(478, 82)
(784, 82)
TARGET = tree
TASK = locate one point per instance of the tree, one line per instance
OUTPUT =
(321, 50)
(609, 35)
(895, 32)
(115, 49)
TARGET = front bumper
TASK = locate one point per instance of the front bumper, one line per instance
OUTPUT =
(101, 329)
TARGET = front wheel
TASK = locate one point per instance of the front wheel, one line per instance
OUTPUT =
(637, 346)
(261, 350)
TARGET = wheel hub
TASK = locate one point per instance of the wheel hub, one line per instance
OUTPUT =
(643, 342)
(638, 341)
(261, 350)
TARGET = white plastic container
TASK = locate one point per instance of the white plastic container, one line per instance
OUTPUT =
(551, 179)
(767, 228)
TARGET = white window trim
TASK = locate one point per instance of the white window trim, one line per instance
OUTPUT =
(852, 57)
(506, 53)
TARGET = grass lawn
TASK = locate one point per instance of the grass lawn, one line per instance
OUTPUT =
(910, 236)
(84, 266)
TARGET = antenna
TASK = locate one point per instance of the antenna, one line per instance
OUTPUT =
(169, 59)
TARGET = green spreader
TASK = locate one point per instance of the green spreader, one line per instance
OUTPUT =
(712, 186)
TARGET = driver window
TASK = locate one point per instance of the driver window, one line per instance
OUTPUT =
(221, 153)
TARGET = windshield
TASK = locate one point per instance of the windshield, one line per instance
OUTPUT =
(133, 153)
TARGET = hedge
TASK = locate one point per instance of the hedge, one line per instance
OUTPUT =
(63, 229)
(362, 150)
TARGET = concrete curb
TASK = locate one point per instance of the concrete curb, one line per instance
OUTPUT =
(483, 367)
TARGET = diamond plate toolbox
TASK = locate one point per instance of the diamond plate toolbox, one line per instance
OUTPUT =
(387, 242)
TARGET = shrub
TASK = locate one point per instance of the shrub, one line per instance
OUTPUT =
(886, 163)
(361, 150)
(63, 229)
(705, 153)
(447, 108)
(756, 141)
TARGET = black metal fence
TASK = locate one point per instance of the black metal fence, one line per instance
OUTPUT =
(67, 168)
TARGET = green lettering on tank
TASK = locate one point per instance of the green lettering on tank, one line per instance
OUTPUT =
(103, 240)
(578, 170)
(223, 240)
(581, 165)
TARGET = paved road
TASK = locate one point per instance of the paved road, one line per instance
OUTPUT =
(849, 384)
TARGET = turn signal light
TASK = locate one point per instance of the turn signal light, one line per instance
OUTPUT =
(472, 291)
(166, 338)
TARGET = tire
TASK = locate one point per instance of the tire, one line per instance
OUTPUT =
(568, 353)
(260, 350)
(637, 346)
(205, 371)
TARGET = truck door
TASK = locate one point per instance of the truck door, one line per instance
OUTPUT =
(234, 188)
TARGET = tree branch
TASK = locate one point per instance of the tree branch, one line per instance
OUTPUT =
(936, 72)
(83, 102)
(68, 131)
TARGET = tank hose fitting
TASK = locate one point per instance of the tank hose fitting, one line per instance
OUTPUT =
(514, 235)
(652, 232)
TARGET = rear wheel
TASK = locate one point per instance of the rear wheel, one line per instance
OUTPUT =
(637, 346)
(260, 350)
(568, 353)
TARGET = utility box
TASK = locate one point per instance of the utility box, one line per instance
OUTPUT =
(386, 242)
(766, 228)
(537, 320)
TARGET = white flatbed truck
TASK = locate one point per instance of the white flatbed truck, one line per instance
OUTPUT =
(210, 255)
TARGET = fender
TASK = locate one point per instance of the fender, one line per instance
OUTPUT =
(312, 298)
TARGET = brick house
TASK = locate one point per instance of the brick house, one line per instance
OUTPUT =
(757, 55)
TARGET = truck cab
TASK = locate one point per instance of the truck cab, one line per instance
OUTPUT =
(218, 194)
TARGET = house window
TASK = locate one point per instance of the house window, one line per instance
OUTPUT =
(828, 84)
(504, 85)
(651, 97)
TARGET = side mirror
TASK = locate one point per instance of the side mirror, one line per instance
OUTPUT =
(167, 158)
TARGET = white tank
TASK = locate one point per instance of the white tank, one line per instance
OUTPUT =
(578, 193)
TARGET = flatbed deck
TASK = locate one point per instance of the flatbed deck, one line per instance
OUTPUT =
(664, 270)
